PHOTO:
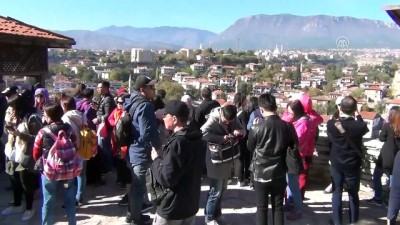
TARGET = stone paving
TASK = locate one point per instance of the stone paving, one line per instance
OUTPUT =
(238, 207)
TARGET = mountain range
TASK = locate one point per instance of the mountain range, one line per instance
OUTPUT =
(252, 32)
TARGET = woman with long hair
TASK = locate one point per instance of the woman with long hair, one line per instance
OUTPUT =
(393, 135)
(24, 179)
(44, 141)
(243, 115)
(302, 125)
(78, 91)
(76, 120)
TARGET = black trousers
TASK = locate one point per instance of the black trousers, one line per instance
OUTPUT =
(245, 159)
(274, 189)
(123, 172)
(24, 183)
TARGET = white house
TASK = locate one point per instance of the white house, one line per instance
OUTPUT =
(178, 77)
(261, 88)
(227, 81)
(140, 55)
(61, 85)
(374, 123)
(141, 70)
(198, 67)
(115, 84)
(168, 70)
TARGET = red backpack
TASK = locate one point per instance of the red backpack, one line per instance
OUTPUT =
(62, 161)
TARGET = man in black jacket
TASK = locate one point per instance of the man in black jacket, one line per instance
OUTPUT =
(269, 140)
(346, 135)
(179, 168)
(205, 107)
(106, 106)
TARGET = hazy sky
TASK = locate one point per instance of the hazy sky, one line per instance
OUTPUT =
(212, 15)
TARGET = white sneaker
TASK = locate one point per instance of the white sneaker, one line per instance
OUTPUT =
(12, 210)
(28, 214)
(212, 222)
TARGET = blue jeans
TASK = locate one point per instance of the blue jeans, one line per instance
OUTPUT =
(352, 178)
(49, 188)
(293, 191)
(81, 182)
(213, 206)
(137, 190)
(376, 179)
(105, 152)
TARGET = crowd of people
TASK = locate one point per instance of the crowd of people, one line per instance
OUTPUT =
(168, 149)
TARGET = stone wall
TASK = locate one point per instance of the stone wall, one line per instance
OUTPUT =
(320, 172)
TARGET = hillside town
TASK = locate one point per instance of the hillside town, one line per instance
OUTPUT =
(371, 75)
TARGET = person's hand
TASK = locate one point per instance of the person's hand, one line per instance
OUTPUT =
(95, 121)
(228, 137)
(237, 133)
(256, 120)
(155, 153)
(14, 132)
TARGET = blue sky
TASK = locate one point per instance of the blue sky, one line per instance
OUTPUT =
(212, 15)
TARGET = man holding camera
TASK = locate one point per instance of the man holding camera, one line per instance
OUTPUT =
(221, 129)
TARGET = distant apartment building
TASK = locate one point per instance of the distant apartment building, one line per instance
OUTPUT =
(217, 68)
(261, 88)
(115, 85)
(227, 81)
(62, 84)
(140, 55)
(248, 78)
(179, 76)
(141, 70)
(170, 70)
(253, 66)
(188, 53)
(198, 67)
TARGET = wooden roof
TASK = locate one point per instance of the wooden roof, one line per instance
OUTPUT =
(13, 31)
(394, 12)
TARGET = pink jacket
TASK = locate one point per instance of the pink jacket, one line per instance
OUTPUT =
(306, 149)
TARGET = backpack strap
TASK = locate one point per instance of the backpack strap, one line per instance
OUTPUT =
(49, 132)
(135, 105)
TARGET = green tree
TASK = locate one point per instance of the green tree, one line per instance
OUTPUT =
(313, 92)
(119, 74)
(58, 68)
(380, 107)
(86, 74)
(245, 88)
(358, 93)
(174, 90)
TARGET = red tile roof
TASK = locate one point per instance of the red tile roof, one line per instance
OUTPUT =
(368, 115)
(19, 30)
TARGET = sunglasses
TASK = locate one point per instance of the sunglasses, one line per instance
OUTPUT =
(120, 103)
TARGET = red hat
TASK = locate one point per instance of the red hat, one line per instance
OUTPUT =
(121, 91)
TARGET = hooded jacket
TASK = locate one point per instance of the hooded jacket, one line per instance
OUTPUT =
(76, 120)
(214, 131)
(144, 130)
(45, 93)
(180, 171)
(314, 118)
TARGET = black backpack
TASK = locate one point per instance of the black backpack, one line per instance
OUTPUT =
(123, 128)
